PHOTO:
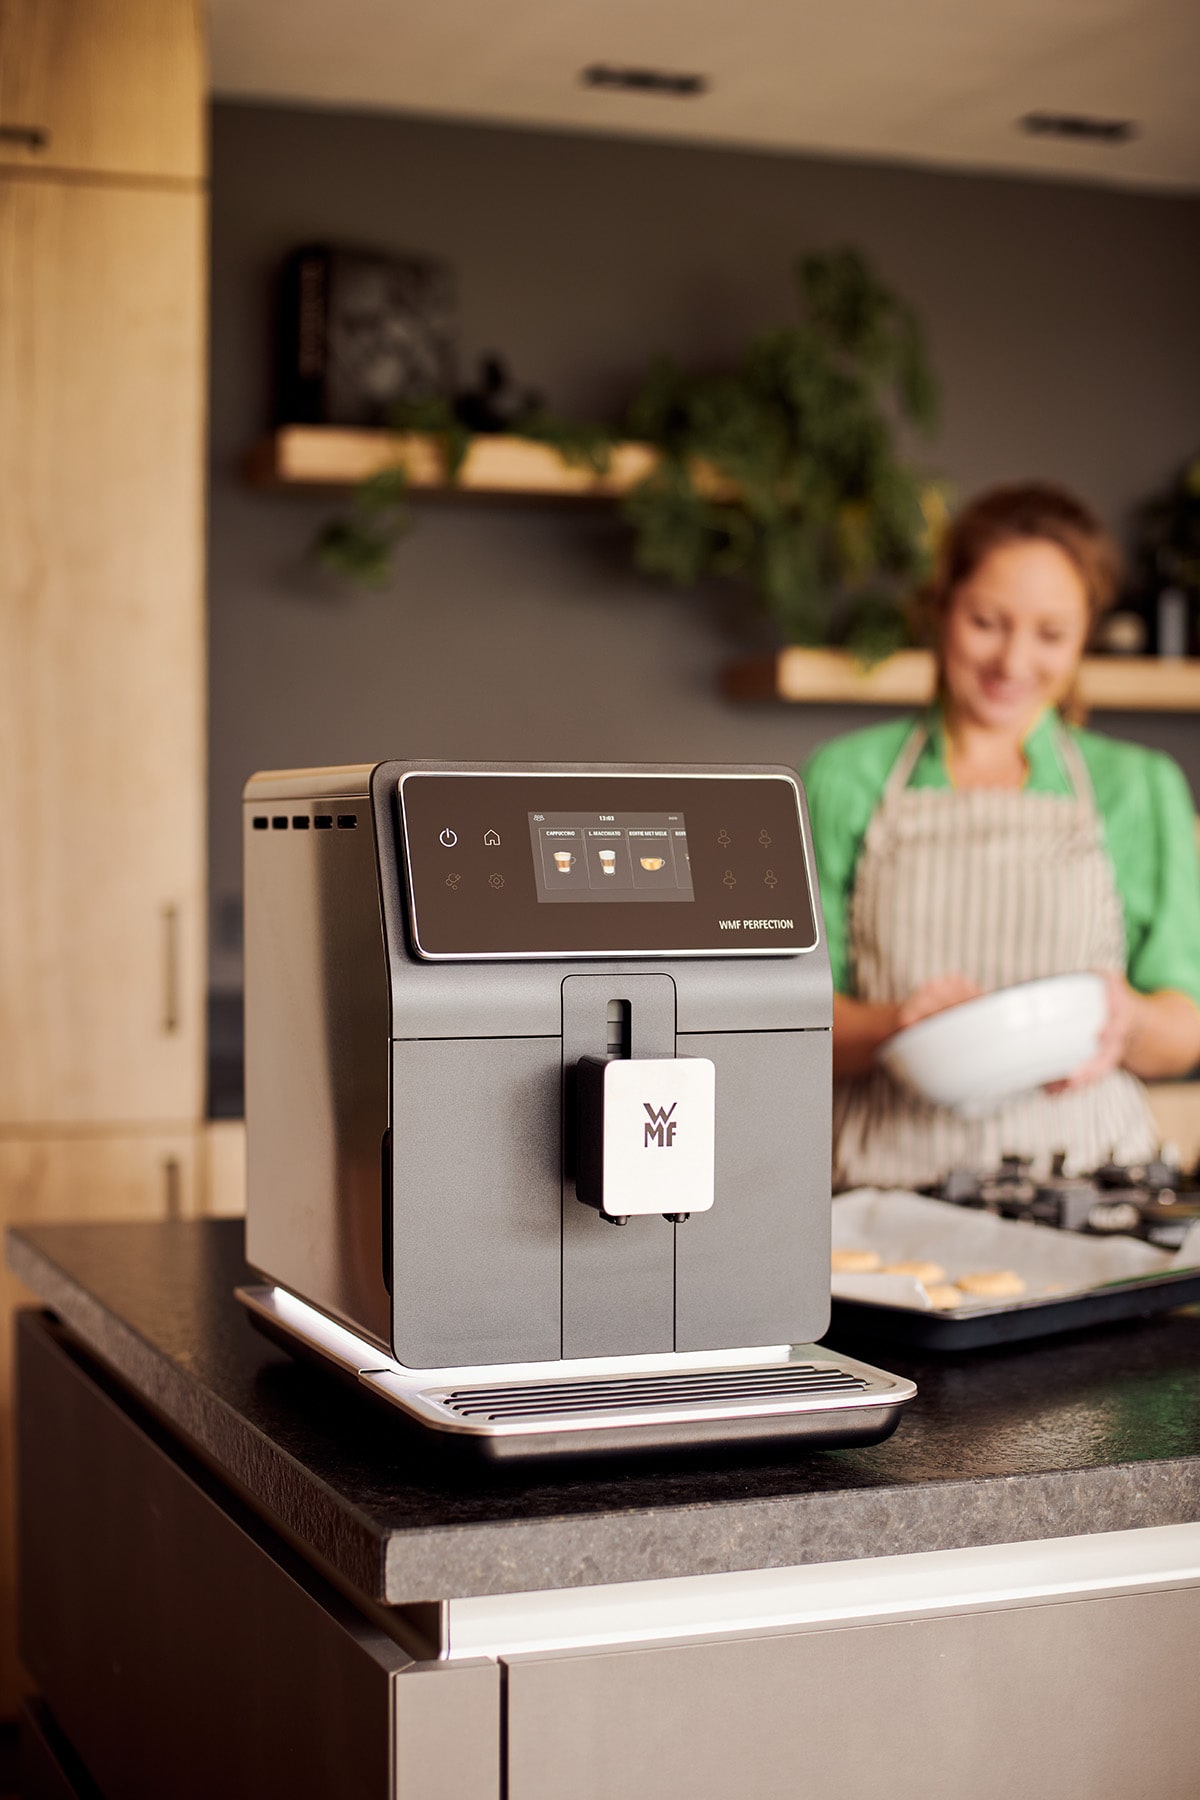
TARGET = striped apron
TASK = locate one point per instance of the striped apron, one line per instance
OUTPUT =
(1001, 886)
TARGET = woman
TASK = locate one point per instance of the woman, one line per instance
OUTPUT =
(993, 841)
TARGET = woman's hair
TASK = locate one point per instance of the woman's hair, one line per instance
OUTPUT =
(1034, 510)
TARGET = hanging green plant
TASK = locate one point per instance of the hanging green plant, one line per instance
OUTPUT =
(361, 544)
(783, 474)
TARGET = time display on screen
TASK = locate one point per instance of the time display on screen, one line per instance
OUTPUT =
(586, 857)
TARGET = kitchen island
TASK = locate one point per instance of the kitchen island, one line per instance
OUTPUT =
(238, 1575)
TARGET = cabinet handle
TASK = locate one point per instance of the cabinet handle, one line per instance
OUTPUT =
(173, 1185)
(170, 1016)
(29, 137)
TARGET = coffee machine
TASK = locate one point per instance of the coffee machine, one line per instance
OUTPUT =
(538, 1102)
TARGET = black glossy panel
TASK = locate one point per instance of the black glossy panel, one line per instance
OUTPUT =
(727, 870)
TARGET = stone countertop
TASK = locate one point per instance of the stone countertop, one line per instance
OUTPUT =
(1099, 1431)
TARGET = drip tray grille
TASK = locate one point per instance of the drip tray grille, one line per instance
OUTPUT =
(510, 1412)
(703, 1388)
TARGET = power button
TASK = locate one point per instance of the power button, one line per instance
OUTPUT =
(448, 837)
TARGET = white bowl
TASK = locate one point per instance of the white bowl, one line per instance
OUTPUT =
(974, 1056)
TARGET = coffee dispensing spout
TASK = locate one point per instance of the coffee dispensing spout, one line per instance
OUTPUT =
(646, 1136)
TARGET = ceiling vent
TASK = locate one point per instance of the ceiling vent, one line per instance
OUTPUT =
(1080, 126)
(645, 81)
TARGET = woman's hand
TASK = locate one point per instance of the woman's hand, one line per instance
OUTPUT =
(934, 997)
(861, 1026)
(1116, 1036)
(1154, 1036)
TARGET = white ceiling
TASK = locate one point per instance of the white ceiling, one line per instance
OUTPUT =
(929, 81)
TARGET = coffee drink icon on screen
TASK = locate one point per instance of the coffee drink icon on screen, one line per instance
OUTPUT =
(562, 861)
(652, 862)
(608, 862)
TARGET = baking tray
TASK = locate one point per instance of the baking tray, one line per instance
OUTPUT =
(1016, 1320)
(1107, 1280)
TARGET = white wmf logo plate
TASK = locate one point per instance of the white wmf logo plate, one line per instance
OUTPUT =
(659, 1135)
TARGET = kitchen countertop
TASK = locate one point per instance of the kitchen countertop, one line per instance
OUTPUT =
(1099, 1431)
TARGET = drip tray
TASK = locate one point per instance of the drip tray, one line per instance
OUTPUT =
(592, 1407)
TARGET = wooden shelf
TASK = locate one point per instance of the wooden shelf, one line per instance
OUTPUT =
(833, 678)
(324, 456)
(331, 456)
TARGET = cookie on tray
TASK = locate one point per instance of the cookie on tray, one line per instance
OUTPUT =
(944, 1296)
(855, 1262)
(917, 1268)
(992, 1284)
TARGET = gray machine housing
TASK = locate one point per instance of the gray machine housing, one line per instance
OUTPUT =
(410, 1140)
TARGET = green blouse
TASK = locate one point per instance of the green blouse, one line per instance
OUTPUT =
(1143, 799)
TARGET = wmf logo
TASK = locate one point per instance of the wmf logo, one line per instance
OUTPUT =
(662, 1127)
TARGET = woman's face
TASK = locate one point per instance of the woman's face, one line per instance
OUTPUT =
(1013, 635)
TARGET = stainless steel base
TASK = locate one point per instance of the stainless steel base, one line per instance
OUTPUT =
(593, 1406)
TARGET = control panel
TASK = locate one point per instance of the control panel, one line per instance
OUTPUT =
(571, 865)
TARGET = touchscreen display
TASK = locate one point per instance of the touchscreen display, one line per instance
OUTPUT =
(554, 863)
(611, 856)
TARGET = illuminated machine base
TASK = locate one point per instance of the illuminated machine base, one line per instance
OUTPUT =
(592, 1406)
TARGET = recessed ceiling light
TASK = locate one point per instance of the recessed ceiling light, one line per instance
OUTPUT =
(1080, 126)
(644, 81)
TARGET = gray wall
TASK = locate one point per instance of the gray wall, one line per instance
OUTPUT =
(1062, 321)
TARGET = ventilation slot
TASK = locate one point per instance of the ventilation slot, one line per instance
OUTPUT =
(704, 1387)
(261, 823)
(347, 822)
(324, 821)
(299, 821)
(279, 823)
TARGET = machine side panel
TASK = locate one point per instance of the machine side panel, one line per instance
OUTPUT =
(755, 1270)
(476, 1201)
(617, 1280)
(352, 782)
(317, 1062)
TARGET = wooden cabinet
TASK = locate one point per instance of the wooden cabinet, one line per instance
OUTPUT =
(104, 86)
(222, 1174)
(102, 702)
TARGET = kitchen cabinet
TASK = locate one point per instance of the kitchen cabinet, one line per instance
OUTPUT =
(151, 1175)
(102, 700)
(305, 1597)
(222, 1187)
(101, 697)
(1176, 1109)
(917, 1709)
(108, 87)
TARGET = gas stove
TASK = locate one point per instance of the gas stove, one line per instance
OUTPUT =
(1154, 1200)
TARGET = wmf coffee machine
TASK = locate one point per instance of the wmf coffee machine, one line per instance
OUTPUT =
(538, 1102)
